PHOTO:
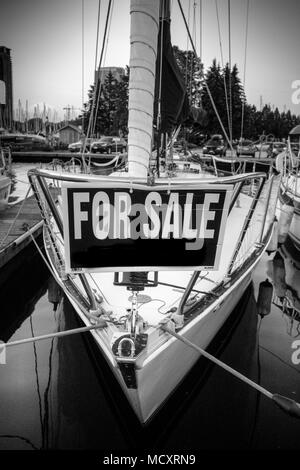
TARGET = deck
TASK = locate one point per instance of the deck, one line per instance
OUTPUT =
(28, 221)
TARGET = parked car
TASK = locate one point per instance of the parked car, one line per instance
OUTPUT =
(109, 145)
(246, 147)
(78, 146)
(215, 146)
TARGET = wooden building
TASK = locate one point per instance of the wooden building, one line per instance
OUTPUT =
(69, 134)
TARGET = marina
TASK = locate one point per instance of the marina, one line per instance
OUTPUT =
(150, 250)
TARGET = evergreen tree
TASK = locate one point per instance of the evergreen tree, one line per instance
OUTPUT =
(214, 81)
(111, 114)
(235, 91)
(121, 111)
(191, 70)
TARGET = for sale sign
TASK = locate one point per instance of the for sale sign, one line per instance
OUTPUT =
(139, 227)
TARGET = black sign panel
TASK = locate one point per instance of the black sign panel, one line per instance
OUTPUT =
(143, 228)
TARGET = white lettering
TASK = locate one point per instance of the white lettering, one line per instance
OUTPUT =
(79, 215)
(209, 199)
(172, 208)
(121, 219)
(101, 215)
(187, 230)
(152, 214)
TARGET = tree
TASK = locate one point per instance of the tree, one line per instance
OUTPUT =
(110, 109)
(121, 111)
(235, 97)
(214, 81)
(192, 70)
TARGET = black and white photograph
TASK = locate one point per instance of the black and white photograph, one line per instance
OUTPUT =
(149, 230)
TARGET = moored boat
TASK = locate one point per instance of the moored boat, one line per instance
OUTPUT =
(137, 253)
(289, 196)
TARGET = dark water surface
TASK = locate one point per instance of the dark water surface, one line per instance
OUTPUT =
(60, 393)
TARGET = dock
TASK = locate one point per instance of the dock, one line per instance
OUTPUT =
(15, 233)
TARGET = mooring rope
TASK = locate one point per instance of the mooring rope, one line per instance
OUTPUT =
(286, 404)
(58, 334)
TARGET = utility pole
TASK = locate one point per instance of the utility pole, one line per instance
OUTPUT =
(26, 117)
(68, 113)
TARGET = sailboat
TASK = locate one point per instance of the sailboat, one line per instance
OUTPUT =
(231, 166)
(138, 253)
(289, 197)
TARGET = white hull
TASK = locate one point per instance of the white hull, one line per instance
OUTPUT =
(157, 378)
(161, 372)
(294, 231)
(291, 192)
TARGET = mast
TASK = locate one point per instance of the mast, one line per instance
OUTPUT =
(143, 51)
(164, 15)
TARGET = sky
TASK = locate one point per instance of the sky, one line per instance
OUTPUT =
(51, 66)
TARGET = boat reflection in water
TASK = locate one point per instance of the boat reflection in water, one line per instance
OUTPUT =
(286, 278)
(79, 415)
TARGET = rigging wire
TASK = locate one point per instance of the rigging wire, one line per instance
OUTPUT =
(199, 98)
(160, 68)
(187, 47)
(200, 30)
(192, 58)
(222, 62)
(108, 33)
(158, 123)
(97, 34)
(98, 84)
(82, 63)
(204, 81)
(245, 65)
(95, 84)
(230, 78)
(102, 56)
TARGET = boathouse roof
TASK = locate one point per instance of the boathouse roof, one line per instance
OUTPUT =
(295, 130)
(70, 126)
